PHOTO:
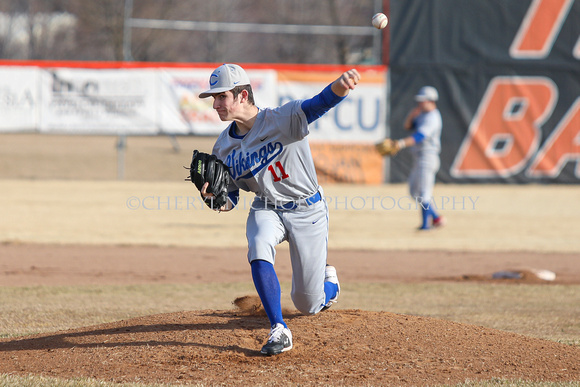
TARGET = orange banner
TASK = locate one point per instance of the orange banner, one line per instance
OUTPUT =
(347, 163)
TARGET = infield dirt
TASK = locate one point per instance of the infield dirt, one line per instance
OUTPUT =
(64, 231)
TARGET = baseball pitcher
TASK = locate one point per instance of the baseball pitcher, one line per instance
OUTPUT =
(267, 152)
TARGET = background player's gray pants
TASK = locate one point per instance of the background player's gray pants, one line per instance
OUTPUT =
(306, 230)
(422, 178)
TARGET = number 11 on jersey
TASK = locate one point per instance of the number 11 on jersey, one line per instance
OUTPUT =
(280, 169)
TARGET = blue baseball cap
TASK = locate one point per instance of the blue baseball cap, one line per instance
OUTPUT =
(225, 78)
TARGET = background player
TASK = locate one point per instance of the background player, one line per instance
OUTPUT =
(425, 122)
(268, 153)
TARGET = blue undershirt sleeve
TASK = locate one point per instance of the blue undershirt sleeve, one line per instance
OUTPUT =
(418, 136)
(317, 106)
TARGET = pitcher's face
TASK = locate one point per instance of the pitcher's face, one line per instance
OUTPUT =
(226, 105)
(426, 106)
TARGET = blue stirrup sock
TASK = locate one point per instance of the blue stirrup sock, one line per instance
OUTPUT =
(330, 291)
(268, 288)
(426, 213)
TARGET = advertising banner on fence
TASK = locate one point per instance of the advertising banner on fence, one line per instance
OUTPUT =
(342, 162)
(18, 99)
(183, 112)
(159, 100)
(107, 101)
(342, 141)
(508, 76)
(360, 118)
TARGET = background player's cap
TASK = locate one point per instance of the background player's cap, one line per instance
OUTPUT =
(427, 93)
(225, 78)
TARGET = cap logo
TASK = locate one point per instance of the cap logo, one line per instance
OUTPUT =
(212, 82)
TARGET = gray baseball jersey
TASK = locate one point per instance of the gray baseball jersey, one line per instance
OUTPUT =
(425, 153)
(274, 161)
(429, 125)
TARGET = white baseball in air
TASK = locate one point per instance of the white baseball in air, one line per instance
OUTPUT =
(380, 20)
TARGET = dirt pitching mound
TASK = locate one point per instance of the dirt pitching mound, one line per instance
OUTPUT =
(335, 347)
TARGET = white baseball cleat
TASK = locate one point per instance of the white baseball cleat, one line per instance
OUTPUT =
(280, 340)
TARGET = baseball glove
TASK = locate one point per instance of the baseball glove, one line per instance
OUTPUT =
(206, 168)
(388, 147)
